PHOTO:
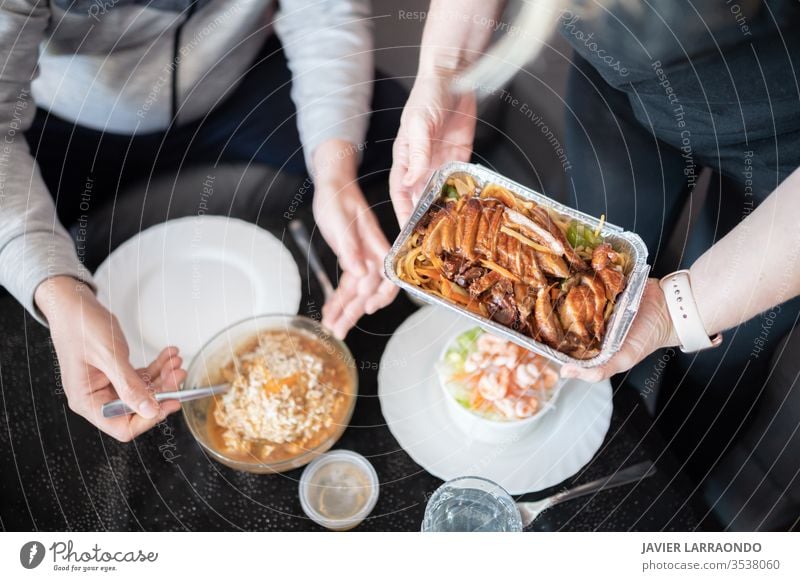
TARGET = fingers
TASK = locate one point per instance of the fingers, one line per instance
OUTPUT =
(352, 312)
(170, 376)
(334, 309)
(152, 371)
(372, 237)
(123, 428)
(590, 375)
(350, 253)
(131, 426)
(130, 386)
(386, 293)
(627, 357)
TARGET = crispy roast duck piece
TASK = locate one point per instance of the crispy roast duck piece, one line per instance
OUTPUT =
(524, 271)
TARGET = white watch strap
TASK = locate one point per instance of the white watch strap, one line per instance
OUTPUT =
(684, 314)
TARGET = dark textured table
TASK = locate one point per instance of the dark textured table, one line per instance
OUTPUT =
(58, 472)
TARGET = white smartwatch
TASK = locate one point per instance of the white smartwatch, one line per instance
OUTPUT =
(683, 311)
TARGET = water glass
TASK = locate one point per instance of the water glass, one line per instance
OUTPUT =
(471, 504)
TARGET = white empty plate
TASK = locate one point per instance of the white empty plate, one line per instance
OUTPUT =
(413, 404)
(183, 281)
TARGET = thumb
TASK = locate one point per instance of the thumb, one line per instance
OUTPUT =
(399, 193)
(131, 388)
(419, 149)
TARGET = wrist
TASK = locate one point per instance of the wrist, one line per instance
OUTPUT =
(442, 63)
(335, 163)
(57, 293)
(667, 336)
(691, 331)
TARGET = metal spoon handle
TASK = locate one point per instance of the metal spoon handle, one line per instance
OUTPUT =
(118, 407)
(303, 240)
(627, 476)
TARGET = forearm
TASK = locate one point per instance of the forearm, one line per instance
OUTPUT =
(33, 244)
(456, 33)
(328, 47)
(756, 266)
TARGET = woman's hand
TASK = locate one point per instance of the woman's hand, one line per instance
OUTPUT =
(93, 357)
(352, 231)
(436, 126)
(651, 330)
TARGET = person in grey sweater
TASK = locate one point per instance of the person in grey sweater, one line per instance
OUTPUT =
(158, 72)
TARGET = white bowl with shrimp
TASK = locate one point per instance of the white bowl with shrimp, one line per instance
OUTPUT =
(495, 390)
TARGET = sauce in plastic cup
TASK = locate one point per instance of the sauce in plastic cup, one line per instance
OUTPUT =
(339, 489)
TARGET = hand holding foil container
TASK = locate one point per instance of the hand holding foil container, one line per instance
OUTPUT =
(521, 265)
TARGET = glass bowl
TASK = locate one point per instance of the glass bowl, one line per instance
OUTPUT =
(206, 369)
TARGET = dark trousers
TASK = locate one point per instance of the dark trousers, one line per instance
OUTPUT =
(255, 126)
(639, 181)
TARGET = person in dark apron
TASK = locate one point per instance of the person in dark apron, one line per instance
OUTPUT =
(657, 92)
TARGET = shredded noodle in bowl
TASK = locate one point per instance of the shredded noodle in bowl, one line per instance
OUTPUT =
(292, 392)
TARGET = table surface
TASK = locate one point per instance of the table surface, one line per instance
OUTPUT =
(57, 472)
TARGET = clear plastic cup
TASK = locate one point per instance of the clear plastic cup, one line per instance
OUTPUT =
(339, 489)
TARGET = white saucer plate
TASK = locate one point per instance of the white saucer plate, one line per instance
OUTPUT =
(413, 405)
(183, 281)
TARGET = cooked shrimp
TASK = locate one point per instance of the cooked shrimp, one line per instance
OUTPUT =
(493, 386)
(488, 343)
(525, 408)
(527, 374)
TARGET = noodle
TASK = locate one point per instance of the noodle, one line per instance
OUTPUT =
(524, 240)
(499, 270)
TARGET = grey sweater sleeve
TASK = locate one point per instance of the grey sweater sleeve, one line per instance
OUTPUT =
(328, 45)
(33, 244)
